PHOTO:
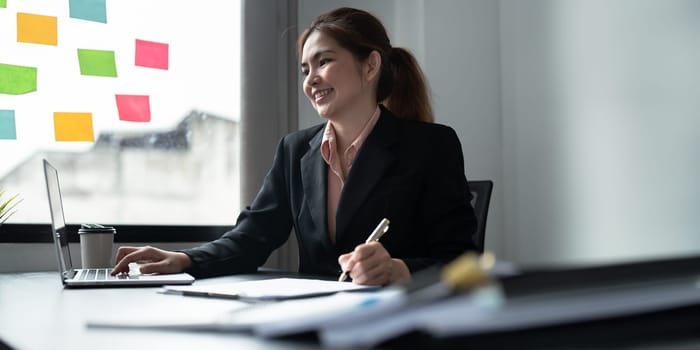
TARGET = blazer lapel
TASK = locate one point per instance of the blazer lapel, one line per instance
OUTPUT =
(315, 182)
(373, 160)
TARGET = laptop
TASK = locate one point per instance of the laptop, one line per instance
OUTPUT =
(72, 277)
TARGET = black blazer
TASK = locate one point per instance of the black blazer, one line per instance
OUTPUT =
(409, 172)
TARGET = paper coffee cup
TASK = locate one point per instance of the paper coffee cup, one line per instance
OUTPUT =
(96, 243)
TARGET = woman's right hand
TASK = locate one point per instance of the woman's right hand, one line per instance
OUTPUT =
(152, 260)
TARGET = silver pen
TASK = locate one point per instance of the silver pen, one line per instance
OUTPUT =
(378, 232)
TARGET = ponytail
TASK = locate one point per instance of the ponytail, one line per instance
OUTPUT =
(403, 88)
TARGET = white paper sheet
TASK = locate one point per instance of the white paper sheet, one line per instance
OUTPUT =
(269, 289)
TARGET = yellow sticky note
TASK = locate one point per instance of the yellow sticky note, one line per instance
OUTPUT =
(37, 29)
(72, 126)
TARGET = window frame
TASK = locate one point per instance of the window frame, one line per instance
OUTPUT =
(41, 233)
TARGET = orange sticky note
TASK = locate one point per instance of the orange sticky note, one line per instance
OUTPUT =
(37, 29)
(73, 126)
(134, 108)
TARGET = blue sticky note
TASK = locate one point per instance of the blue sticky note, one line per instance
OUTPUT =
(91, 10)
(8, 131)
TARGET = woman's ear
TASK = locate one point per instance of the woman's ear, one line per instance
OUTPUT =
(373, 66)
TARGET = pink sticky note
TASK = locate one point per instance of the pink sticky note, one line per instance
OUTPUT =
(151, 54)
(134, 108)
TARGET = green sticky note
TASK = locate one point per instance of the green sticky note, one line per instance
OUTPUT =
(91, 10)
(3, 3)
(8, 131)
(17, 80)
(97, 62)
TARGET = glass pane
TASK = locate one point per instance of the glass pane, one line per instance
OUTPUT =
(136, 104)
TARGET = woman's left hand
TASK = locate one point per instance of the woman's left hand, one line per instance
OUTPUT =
(371, 264)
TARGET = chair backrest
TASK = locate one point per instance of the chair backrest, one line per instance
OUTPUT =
(481, 198)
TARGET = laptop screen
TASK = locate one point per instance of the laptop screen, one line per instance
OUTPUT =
(58, 223)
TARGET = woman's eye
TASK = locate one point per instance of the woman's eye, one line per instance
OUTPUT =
(304, 72)
(323, 61)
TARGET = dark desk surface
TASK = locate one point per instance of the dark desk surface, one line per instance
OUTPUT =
(36, 312)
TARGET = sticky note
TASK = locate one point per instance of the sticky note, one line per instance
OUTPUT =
(37, 29)
(134, 108)
(3, 4)
(91, 10)
(151, 54)
(97, 62)
(73, 126)
(17, 80)
(8, 130)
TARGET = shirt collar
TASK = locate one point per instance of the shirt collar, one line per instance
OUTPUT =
(329, 144)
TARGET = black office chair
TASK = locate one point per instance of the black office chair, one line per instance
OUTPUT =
(481, 198)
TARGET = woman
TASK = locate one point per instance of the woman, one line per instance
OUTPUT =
(377, 156)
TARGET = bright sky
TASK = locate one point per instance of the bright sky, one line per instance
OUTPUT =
(203, 72)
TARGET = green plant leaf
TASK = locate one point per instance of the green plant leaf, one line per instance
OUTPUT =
(8, 207)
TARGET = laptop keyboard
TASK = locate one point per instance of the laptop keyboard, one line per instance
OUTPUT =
(100, 275)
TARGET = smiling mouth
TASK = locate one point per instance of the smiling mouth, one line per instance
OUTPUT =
(319, 95)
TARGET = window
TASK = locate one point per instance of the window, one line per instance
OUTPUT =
(136, 102)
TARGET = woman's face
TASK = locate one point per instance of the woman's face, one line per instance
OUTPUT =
(333, 78)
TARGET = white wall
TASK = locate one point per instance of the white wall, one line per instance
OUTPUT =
(461, 50)
(601, 121)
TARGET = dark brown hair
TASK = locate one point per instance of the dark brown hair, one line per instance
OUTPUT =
(402, 87)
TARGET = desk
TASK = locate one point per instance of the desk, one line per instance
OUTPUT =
(36, 312)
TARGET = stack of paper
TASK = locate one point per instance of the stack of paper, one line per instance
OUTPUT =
(273, 307)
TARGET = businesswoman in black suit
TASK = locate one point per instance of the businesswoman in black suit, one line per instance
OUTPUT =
(377, 156)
